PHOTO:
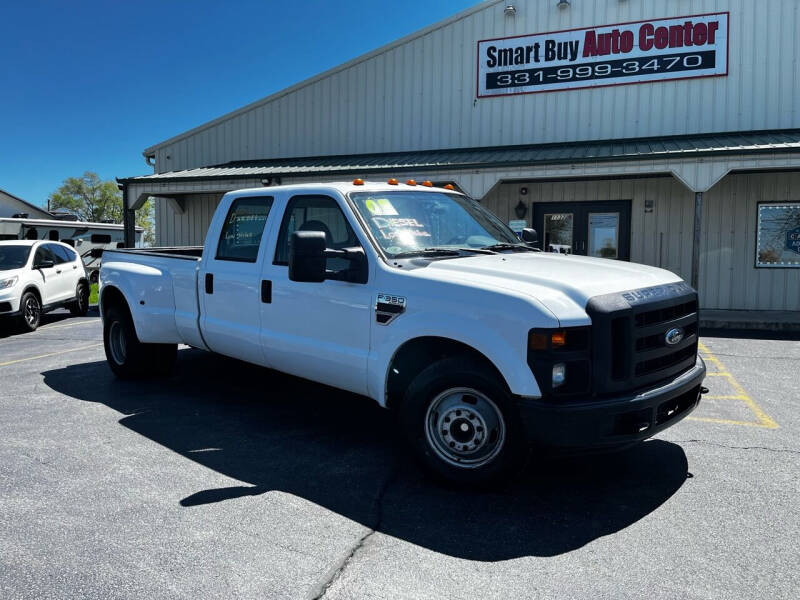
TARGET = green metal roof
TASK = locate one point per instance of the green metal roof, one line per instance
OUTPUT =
(686, 146)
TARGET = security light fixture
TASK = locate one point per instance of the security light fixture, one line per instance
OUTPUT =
(521, 210)
(562, 3)
(510, 10)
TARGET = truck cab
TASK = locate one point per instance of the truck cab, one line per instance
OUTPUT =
(419, 298)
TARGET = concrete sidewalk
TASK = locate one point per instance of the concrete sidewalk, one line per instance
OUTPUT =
(764, 320)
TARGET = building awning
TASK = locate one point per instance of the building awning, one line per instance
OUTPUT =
(688, 146)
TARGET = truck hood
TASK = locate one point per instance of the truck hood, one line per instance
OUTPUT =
(562, 283)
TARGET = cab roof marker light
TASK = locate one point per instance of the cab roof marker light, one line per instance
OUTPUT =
(427, 183)
(393, 181)
(358, 182)
(411, 182)
(449, 186)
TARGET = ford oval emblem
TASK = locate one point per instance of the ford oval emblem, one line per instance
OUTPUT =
(674, 336)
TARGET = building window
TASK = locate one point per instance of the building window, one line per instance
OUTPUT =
(778, 238)
(243, 228)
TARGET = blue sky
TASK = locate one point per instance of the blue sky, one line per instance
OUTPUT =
(88, 85)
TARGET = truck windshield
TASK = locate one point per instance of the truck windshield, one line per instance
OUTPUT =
(408, 222)
(13, 257)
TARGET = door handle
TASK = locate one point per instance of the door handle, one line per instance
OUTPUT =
(74, 267)
(266, 291)
(209, 283)
(58, 271)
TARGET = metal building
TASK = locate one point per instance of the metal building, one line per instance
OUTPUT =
(660, 132)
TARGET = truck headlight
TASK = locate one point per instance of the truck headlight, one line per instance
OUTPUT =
(559, 374)
(7, 283)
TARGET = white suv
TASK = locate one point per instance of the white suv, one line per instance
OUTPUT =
(39, 276)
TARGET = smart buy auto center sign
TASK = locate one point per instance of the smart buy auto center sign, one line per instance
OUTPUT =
(640, 52)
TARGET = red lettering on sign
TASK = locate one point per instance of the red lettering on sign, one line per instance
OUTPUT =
(646, 36)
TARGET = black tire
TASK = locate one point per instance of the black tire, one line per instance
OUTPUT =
(30, 309)
(127, 356)
(80, 307)
(482, 443)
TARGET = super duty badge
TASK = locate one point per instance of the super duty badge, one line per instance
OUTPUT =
(659, 292)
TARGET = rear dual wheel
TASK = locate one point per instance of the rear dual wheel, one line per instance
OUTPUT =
(462, 424)
(127, 356)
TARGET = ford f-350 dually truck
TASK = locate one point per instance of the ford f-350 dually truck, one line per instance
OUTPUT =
(419, 298)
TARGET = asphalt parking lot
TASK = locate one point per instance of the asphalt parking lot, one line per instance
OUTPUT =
(227, 480)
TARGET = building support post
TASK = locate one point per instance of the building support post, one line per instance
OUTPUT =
(698, 223)
(128, 219)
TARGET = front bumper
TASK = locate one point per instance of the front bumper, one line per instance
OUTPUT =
(610, 423)
(9, 301)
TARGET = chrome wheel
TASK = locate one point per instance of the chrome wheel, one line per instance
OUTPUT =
(465, 428)
(117, 341)
(32, 311)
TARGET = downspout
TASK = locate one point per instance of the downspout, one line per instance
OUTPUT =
(698, 223)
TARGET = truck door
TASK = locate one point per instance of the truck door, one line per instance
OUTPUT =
(229, 282)
(316, 330)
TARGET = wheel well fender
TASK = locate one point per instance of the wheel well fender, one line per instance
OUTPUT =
(112, 297)
(35, 290)
(416, 354)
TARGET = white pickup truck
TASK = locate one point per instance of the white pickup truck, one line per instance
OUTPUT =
(419, 298)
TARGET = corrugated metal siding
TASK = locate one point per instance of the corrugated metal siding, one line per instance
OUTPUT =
(189, 228)
(396, 100)
(662, 238)
(729, 278)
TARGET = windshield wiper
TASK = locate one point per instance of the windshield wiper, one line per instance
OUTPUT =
(506, 246)
(443, 252)
(428, 252)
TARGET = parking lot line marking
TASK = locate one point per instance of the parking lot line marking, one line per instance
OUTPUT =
(718, 374)
(49, 327)
(726, 397)
(727, 422)
(764, 420)
(19, 360)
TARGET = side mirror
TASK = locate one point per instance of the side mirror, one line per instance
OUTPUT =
(45, 264)
(357, 272)
(529, 236)
(307, 256)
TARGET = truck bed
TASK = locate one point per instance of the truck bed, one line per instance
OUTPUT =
(162, 282)
(184, 252)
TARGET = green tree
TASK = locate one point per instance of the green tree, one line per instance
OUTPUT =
(91, 199)
(145, 218)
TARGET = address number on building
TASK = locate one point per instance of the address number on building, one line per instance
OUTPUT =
(655, 50)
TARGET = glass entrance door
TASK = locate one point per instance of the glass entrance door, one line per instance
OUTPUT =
(600, 229)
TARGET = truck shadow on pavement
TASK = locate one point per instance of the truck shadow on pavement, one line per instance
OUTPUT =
(338, 450)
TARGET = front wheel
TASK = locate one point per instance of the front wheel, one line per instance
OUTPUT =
(462, 424)
(30, 311)
(127, 356)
